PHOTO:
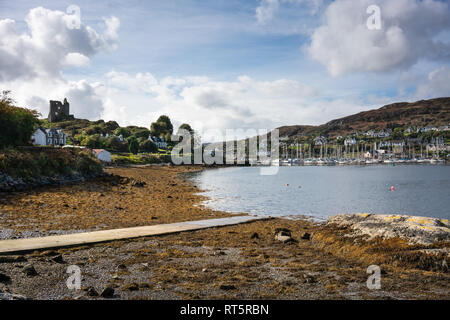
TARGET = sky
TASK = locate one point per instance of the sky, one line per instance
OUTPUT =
(224, 64)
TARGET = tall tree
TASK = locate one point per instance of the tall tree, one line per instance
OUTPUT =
(162, 127)
(133, 146)
(16, 124)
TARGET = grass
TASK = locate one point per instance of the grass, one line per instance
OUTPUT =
(139, 159)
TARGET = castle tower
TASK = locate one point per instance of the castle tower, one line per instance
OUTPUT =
(59, 111)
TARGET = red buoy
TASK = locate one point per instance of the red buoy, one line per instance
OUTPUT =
(392, 188)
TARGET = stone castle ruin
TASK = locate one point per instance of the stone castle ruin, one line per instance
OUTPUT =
(59, 111)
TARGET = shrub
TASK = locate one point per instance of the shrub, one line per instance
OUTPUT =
(16, 124)
(148, 146)
(44, 161)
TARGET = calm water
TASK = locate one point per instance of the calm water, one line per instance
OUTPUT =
(323, 191)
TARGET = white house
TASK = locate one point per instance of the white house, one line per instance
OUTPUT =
(320, 140)
(383, 133)
(39, 137)
(349, 141)
(102, 155)
(49, 137)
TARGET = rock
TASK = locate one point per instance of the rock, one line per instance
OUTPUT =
(308, 278)
(138, 184)
(227, 287)
(131, 287)
(11, 296)
(58, 259)
(122, 267)
(306, 236)
(204, 270)
(29, 270)
(108, 292)
(283, 235)
(254, 236)
(414, 230)
(91, 292)
(4, 278)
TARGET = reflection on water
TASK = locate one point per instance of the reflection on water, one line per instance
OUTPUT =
(324, 191)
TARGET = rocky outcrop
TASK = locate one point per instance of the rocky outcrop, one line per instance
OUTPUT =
(414, 230)
(9, 184)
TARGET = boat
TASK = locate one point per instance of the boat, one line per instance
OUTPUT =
(321, 162)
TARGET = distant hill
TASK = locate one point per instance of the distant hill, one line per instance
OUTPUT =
(403, 114)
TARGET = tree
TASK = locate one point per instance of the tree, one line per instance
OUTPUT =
(114, 144)
(122, 131)
(142, 133)
(167, 123)
(161, 127)
(16, 124)
(148, 146)
(93, 141)
(111, 126)
(187, 127)
(133, 146)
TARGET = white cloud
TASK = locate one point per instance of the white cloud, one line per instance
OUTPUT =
(75, 59)
(210, 104)
(268, 8)
(50, 45)
(409, 32)
(436, 85)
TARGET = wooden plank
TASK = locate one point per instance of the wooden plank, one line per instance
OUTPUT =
(29, 244)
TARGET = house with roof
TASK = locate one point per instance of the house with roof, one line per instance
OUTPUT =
(384, 133)
(320, 140)
(102, 155)
(49, 137)
(370, 133)
(349, 141)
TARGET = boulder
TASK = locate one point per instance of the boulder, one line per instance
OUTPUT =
(306, 236)
(413, 229)
(4, 278)
(108, 292)
(283, 235)
(91, 292)
(29, 270)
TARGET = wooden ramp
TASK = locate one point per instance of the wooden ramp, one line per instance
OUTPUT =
(29, 244)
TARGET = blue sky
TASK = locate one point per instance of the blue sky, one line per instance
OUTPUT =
(261, 63)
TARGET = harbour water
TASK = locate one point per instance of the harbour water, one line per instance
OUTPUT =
(319, 192)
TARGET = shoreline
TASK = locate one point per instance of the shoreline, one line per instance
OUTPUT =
(249, 261)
